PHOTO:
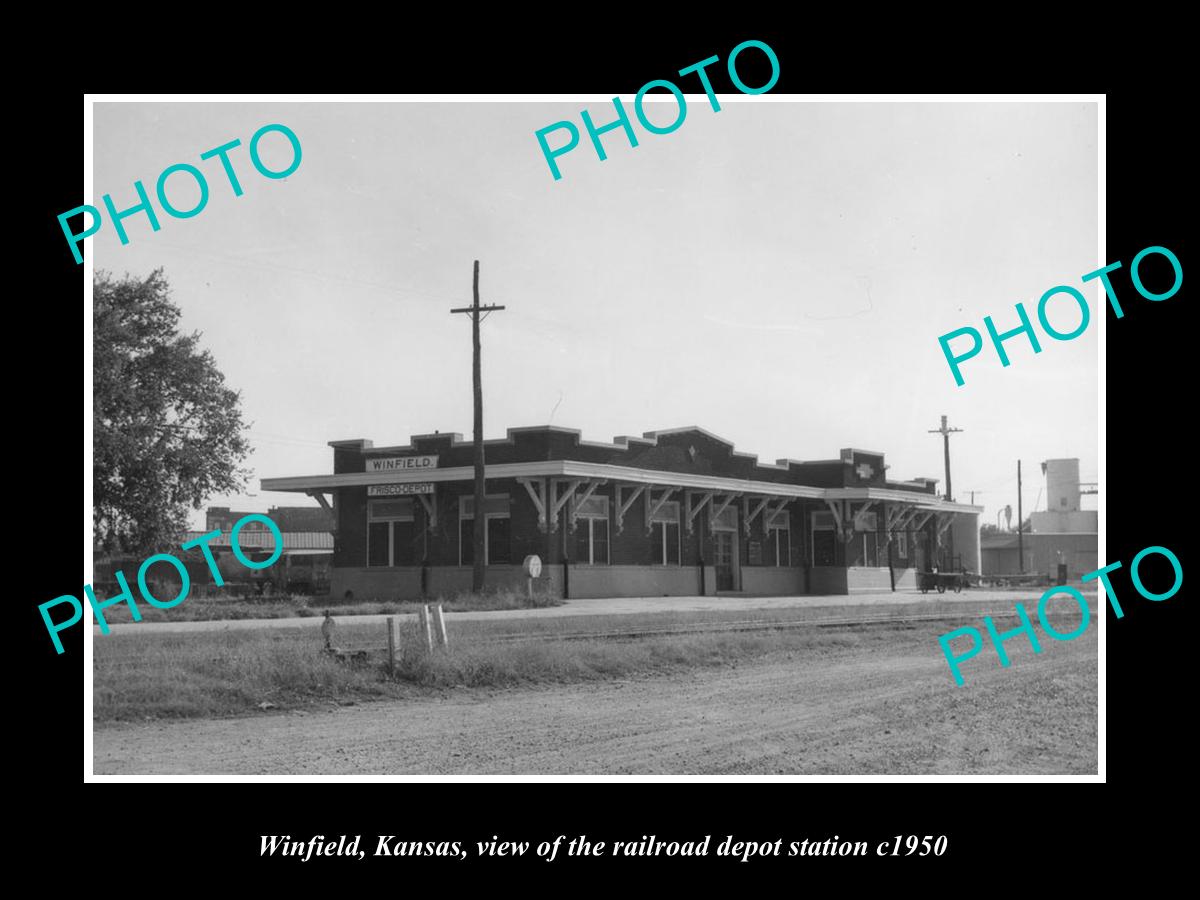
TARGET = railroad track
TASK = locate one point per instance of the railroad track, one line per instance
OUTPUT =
(747, 625)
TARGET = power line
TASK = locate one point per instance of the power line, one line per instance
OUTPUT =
(275, 437)
(292, 270)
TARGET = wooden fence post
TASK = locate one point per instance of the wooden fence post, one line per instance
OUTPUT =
(427, 627)
(441, 623)
(391, 630)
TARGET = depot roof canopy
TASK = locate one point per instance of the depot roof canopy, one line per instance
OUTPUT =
(574, 469)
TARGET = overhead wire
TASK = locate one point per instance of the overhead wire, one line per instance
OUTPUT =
(293, 270)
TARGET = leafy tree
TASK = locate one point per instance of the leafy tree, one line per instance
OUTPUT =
(167, 432)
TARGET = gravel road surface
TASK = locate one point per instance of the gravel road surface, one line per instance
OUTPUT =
(892, 710)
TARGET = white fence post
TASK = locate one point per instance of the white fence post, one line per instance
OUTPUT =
(427, 627)
(441, 623)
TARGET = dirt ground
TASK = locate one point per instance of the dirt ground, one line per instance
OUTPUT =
(893, 710)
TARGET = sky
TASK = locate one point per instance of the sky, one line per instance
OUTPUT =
(777, 273)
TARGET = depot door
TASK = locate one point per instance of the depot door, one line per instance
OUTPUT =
(723, 550)
(824, 547)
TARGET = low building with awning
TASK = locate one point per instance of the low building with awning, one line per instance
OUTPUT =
(303, 566)
(678, 512)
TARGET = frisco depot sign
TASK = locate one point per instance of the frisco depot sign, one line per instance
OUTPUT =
(401, 464)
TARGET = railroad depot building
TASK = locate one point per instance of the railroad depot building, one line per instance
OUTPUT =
(677, 512)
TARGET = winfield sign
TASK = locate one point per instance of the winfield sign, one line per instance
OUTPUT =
(402, 463)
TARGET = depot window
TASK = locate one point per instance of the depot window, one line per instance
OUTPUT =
(824, 539)
(779, 536)
(664, 535)
(591, 532)
(497, 543)
(392, 536)
(872, 545)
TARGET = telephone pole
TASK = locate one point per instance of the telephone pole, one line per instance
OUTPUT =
(945, 432)
(479, 526)
(1020, 523)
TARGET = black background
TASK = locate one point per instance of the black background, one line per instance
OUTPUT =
(209, 836)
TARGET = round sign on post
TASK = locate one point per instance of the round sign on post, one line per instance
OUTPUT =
(533, 568)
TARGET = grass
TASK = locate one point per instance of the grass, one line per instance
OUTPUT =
(229, 673)
(212, 674)
(215, 608)
(558, 662)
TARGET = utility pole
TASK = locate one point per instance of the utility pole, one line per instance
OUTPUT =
(945, 432)
(1020, 521)
(479, 527)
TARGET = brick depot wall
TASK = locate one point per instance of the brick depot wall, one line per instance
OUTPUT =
(376, 583)
(639, 581)
(965, 531)
(858, 579)
(350, 538)
(861, 580)
(827, 580)
(404, 582)
(457, 579)
(350, 545)
(683, 453)
(631, 553)
(773, 581)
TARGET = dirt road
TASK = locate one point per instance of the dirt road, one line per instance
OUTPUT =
(894, 710)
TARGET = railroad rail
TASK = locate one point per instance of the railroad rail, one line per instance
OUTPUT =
(749, 625)
(738, 626)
